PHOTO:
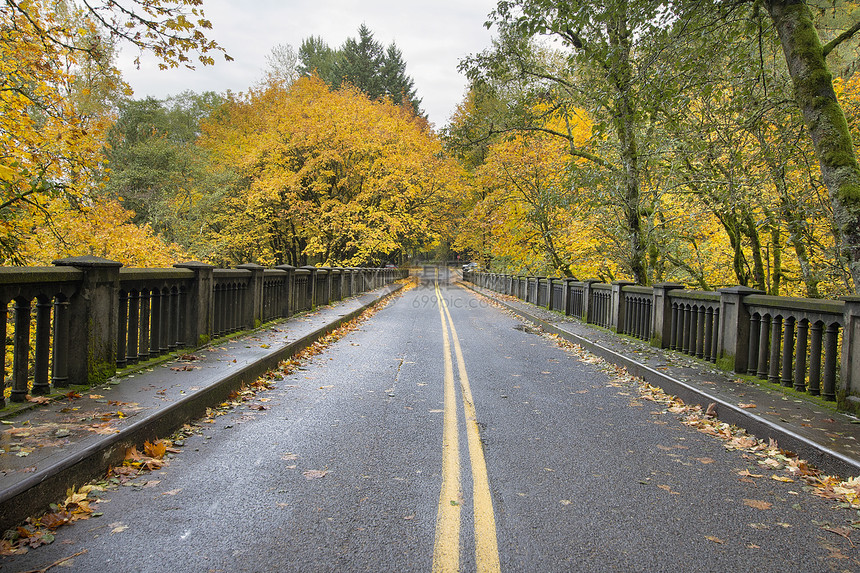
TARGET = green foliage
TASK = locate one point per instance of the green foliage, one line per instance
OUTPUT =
(157, 169)
(363, 63)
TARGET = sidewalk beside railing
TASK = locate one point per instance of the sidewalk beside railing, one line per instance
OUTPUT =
(92, 316)
(807, 344)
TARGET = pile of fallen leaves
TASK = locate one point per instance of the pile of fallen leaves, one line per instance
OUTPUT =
(79, 503)
(39, 531)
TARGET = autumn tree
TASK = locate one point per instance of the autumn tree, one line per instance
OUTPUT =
(56, 84)
(825, 120)
(327, 176)
(606, 58)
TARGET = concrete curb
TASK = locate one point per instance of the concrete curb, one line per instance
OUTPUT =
(31, 496)
(820, 455)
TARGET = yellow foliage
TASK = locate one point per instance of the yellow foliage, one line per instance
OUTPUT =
(103, 229)
(327, 174)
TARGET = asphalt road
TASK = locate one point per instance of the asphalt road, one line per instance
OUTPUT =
(411, 446)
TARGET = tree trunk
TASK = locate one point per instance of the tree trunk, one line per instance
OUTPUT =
(621, 77)
(825, 120)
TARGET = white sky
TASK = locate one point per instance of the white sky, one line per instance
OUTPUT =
(433, 36)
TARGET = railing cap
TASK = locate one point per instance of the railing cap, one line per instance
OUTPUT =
(194, 265)
(286, 267)
(740, 289)
(87, 262)
(250, 266)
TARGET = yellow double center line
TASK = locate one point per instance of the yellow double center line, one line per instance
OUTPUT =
(446, 552)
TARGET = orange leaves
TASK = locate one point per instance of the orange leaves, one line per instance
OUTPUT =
(156, 450)
(151, 459)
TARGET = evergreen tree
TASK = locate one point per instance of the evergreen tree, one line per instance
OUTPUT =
(361, 62)
(315, 56)
(398, 86)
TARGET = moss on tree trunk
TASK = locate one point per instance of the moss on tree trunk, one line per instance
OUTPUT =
(825, 120)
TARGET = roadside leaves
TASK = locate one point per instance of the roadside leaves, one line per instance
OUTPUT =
(766, 454)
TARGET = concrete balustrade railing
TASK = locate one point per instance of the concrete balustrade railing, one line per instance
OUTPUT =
(810, 345)
(81, 320)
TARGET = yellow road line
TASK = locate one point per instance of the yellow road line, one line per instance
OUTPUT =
(486, 545)
(446, 550)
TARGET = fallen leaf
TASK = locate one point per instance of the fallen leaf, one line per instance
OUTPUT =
(714, 539)
(54, 520)
(758, 504)
(705, 460)
(669, 489)
(156, 450)
(746, 473)
(742, 405)
(314, 474)
(38, 399)
(118, 527)
(565, 502)
(172, 492)
(711, 412)
(781, 478)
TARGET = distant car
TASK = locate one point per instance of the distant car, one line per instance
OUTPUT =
(390, 266)
(470, 267)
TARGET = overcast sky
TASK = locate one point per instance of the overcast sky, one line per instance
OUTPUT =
(433, 37)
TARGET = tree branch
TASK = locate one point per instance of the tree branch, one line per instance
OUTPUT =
(846, 35)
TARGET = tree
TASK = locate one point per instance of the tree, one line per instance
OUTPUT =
(824, 117)
(398, 86)
(56, 80)
(282, 64)
(327, 176)
(158, 171)
(609, 55)
(169, 29)
(316, 57)
(363, 63)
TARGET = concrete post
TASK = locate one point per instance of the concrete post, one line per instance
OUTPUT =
(326, 287)
(848, 393)
(200, 313)
(734, 336)
(549, 292)
(616, 314)
(661, 325)
(93, 319)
